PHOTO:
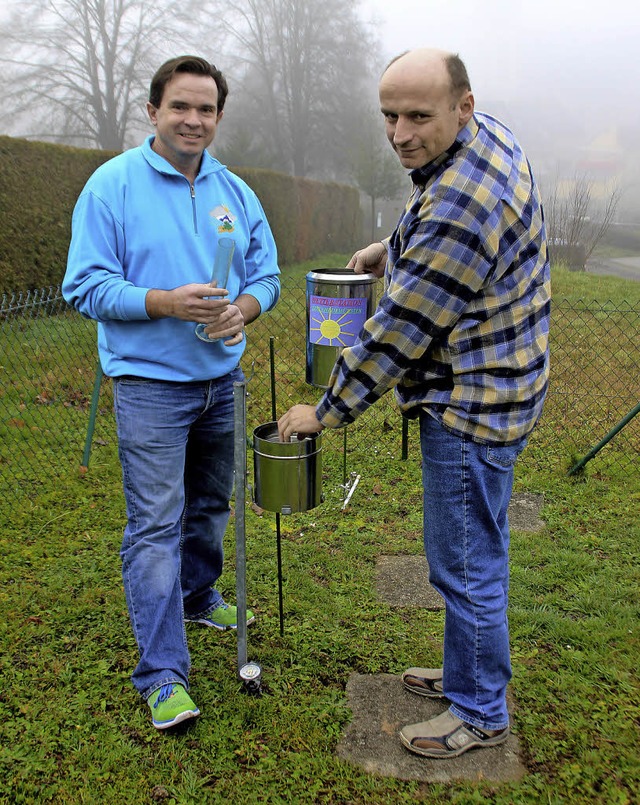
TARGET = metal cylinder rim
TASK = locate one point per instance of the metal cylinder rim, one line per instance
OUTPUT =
(341, 276)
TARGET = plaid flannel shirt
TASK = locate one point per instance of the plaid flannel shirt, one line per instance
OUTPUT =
(461, 330)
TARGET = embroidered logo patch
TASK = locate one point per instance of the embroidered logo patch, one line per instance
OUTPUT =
(225, 218)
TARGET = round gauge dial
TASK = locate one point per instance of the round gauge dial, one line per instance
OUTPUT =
(250, 671)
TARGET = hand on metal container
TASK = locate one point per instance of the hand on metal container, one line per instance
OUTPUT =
(300, 420)
(370, 260)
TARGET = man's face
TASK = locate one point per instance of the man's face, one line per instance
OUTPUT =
(422, 118)
(186, 119)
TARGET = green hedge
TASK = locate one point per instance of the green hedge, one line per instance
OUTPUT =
(40, 182)
(308, 218)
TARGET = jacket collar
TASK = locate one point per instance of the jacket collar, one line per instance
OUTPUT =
(208, 164)
(421, 176)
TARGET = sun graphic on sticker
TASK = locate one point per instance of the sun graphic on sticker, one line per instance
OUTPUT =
(330, 330)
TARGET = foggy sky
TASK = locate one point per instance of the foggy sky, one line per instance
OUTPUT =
(584, 47)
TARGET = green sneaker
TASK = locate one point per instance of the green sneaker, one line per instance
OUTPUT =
(170, 705)
(223, 618)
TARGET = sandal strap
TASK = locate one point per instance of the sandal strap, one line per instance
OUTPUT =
(463, 735)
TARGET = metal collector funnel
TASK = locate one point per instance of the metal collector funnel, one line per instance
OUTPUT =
(339, 301)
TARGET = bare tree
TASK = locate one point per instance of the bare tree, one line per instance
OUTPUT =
(374, 168)
(576, 222)
(78, 70)
(243, 148)
(307, 72)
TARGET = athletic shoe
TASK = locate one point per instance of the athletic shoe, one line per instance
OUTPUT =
(448, 736)
(223, 618)
(424, 681)
(170, 705)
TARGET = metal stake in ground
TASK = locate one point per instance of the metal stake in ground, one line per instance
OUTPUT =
(248, 672)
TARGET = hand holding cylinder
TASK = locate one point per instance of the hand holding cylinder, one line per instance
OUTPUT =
(219, 277)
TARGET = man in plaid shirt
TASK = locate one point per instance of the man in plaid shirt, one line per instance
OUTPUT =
(461, 334)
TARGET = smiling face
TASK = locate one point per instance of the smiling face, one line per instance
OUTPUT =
(422, 114)
(185, 121)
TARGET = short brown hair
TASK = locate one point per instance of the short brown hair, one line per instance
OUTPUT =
(457, 74)
(186, 64)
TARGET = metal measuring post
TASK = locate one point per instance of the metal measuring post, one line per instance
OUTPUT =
(249, 672)
(95, 397)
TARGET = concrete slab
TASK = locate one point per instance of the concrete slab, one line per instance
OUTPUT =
(403, 581)
(381, 707)
(524, 512)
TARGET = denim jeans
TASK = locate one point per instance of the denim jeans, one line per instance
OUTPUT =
(467, 488)
(175, 443)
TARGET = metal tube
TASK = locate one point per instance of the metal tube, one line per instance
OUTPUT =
(240, 459)
(279, 556)
(272, 364)
(606, 439)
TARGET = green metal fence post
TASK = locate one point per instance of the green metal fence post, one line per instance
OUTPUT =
(92, 416)
(405, 438)
(606, 439)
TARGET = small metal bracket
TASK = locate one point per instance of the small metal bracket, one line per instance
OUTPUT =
(349, 488)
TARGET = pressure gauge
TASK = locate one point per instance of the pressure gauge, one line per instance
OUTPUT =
(250, 673)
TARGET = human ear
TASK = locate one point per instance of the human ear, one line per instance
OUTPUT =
(466, 107)
(152, 112)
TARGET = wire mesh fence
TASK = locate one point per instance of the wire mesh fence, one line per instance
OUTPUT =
(48, 365)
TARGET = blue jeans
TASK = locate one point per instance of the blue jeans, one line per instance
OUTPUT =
(175, 443)
(467, 488)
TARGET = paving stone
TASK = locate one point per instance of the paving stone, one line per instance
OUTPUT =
(524, 512)
(403, 581)
(381, 707)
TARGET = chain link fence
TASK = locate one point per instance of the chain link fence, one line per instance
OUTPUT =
(48, 369)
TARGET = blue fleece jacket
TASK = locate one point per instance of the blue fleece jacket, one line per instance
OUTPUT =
(139, 224)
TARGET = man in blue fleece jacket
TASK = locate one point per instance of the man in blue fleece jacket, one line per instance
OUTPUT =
(145, 233)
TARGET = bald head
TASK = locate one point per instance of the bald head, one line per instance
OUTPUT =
(420, 55)
(432, 61)
(426, 100)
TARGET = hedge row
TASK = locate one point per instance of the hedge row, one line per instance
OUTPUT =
(40, 182)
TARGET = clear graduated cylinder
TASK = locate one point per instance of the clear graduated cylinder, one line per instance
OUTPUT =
(219, 276)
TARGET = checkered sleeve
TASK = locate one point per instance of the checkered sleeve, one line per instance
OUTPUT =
(440, 270)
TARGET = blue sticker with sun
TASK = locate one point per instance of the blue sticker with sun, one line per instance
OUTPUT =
(336, 322)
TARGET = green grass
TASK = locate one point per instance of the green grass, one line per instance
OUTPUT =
(72, 729)
(574, 286)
